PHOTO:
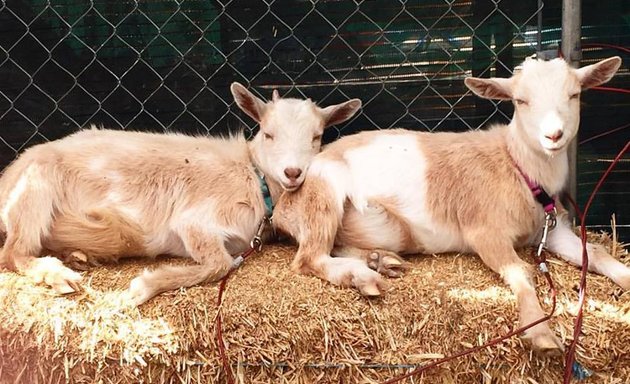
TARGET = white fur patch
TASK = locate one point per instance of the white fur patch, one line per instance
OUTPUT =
(392, 166)
(97, 164)
(14, 196)
(122, 205)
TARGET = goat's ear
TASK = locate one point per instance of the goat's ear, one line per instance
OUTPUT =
(247, 102)
(339, 113)
(598, 73)
(275, 96)
(494, 88)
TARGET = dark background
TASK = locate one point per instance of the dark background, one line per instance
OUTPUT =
(160, 66)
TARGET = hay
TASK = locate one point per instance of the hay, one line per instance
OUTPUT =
(280, 327)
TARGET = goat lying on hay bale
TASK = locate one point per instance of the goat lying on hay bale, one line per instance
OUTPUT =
(372, 196)
(281, 327)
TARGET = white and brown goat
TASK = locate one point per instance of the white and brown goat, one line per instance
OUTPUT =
(100, 195)
(371, 196)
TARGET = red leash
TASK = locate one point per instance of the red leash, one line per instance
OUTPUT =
(219, 321)
(489, 343)
(570, 356)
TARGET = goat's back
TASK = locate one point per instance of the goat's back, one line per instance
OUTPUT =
(146, 177)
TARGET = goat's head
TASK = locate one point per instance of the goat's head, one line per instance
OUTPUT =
(546, 97)
(290, 132)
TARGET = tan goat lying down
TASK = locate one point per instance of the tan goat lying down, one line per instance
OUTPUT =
(99, 195)
(404, 192)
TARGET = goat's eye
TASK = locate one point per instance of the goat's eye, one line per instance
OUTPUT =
(317, 138)
(574, 96)
(268, 136)
(520, 102)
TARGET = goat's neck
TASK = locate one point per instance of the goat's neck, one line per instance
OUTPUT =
(275, 189)
(550, 172)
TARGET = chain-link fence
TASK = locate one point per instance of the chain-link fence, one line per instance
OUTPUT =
(166, 65)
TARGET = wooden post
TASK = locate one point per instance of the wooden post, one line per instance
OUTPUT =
(572, 52)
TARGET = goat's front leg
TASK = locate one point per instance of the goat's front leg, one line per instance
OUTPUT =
(500, 256)
(568, 245)
(311, 215)
(207, 250)
(341, 271)
(315, 238)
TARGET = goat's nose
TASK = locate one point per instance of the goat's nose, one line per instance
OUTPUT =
(557, 135)
(292, 173)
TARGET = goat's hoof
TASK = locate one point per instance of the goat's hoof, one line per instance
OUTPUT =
(77, 260)
(51, 271)
(138, 292)
(387, 263)
(624, 283)
(66, 282)
(544, 342)
(369, 283)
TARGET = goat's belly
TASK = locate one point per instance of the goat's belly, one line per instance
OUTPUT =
(164, 241)
(102, 234)
(388, 196)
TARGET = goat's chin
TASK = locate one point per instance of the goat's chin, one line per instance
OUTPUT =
(291, 186)
(552, 149)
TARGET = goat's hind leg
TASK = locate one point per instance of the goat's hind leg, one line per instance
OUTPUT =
(207, 250)
(568, 245)
(382, 261)
(28, 217)
(313, 258)
(47, 270)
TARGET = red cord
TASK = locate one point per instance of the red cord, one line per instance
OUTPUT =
(570, 356)
(603, 45)
(486, 345)
(611, 89)
(610, 131)
(219, 322)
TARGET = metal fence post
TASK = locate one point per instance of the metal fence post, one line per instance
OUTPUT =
(572, 52)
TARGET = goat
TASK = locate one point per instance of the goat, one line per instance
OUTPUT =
(373, 196)
(101, 195)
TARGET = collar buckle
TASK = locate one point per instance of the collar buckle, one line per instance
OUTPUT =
(551, 218)
(257, 242)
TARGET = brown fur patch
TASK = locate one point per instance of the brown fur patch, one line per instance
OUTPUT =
(472, 182)
(102, 235)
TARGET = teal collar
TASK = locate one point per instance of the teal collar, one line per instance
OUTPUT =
(264, 188)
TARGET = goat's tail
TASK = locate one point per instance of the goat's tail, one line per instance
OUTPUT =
(103, 235)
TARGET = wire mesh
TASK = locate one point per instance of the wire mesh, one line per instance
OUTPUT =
(167, 65)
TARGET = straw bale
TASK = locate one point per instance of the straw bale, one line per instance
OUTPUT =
(283, 328)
